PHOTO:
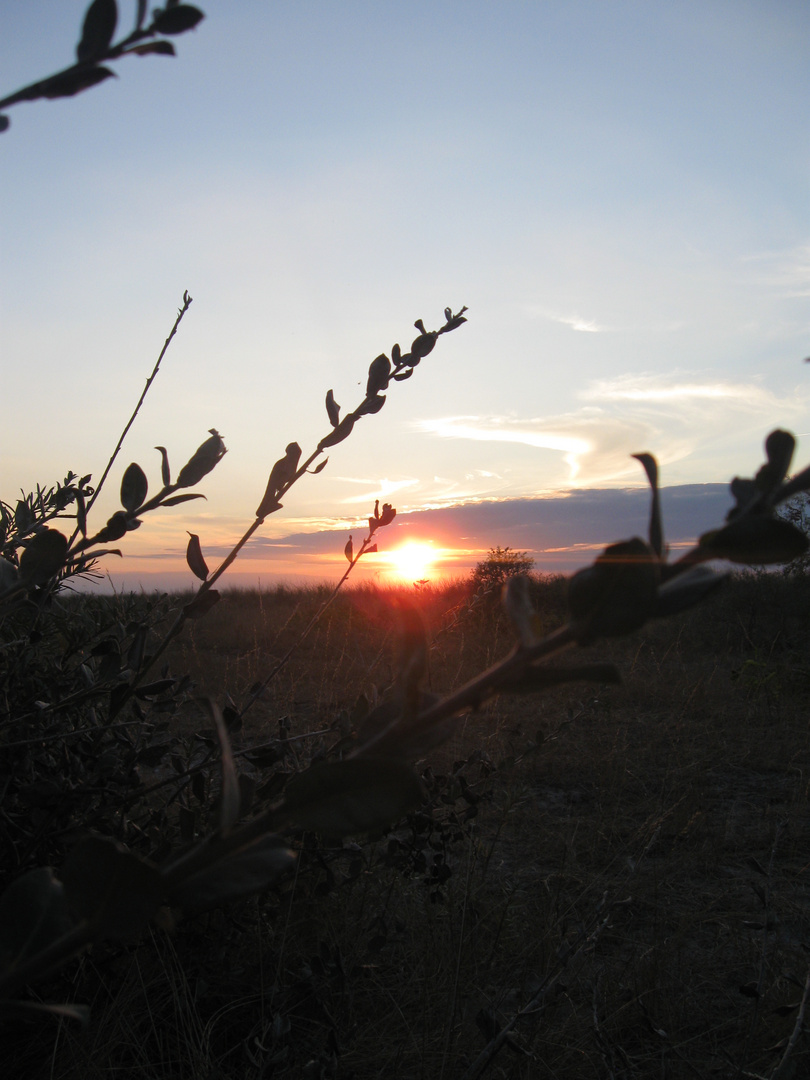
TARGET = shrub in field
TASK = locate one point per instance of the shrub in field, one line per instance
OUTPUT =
(500, 563)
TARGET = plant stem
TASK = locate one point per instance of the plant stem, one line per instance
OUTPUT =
(186, 303)
(477, 690)
(40, 88)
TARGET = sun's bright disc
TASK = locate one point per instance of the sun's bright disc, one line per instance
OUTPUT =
(412, 561)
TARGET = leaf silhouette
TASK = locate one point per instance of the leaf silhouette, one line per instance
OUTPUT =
(332, 409)
(194, 557)
(282, 473)
(615, 595)
(165, 471)
(423, 345)
(43, 557)
(686, 590)
(81, 513)
(758, 541)
(378, 373)
(177, 19)
(159, 48)
(341, 432)
(205, 458)
(75, 81)
(97, 30)
(134, 487)
(175, 500)
(372, 404)
(656, 533)
(779, 447)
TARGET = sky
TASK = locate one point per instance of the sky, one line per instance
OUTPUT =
(618, 192)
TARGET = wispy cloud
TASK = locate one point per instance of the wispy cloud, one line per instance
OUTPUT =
(677, 416)
(380, 489)
(499, 429)
(595, 446)
(663, 389)
(572, 319)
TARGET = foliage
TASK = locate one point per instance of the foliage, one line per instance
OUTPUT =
(117, 820)
(500, 563)
(106, 890)
(70, 765)
(797, 511)
(95, 48)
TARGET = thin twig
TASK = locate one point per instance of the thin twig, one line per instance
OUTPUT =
(478, 690)
(186, 303)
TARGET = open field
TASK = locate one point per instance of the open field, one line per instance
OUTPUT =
(622, 873)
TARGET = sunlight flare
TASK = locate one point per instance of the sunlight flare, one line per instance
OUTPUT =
(413, 561)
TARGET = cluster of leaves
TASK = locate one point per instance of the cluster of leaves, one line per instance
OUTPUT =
(29, 516)
(69, 765)
(96, 48)
(34, 554)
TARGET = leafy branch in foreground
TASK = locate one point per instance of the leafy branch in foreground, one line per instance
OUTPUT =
(34, 557)
(106, 891)
(95, 48)
(287, 471)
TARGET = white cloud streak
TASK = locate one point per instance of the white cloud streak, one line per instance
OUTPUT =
(573, 320)
(594, 445)
(661, 389)
(682, 418)
(383, 490)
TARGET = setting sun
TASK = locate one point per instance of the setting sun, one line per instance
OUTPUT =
(413, 561)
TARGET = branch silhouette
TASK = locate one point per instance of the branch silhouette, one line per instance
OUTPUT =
(95, 48)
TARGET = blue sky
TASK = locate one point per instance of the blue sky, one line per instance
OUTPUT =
(619, 193)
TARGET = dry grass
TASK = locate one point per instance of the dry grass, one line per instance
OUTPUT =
(668, 818)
